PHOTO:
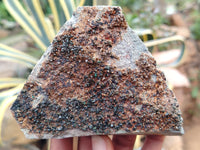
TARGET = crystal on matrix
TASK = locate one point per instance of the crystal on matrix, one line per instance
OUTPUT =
(96, 78)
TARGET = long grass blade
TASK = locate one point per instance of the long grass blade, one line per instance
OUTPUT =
(166, 40)
(73, 4)
(21, 16)
(52, 31)
(104, 2)
(88, 3)
(3, 107)
(95, 2)
(7, 52)
(6, 99)
(110, 2)
(67, 8)
(55, 14)
(81, 3)
(36, 10)
(10, 82)
(146, 35)
(10, 92)
(58, 13)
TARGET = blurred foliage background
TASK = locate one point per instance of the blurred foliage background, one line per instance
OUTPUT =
(140, 14)
(160, 20)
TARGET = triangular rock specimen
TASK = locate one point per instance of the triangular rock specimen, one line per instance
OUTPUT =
(96, 77)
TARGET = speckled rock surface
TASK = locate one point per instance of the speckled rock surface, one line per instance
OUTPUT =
(96, 77)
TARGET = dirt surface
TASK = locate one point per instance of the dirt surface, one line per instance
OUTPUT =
(189, 104)
(192, 135)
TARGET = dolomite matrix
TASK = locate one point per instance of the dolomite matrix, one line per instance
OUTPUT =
(96, 78)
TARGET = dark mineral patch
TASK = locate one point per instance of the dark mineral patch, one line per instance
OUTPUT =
(96, 78)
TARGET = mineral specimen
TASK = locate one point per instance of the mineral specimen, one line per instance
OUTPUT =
(96, 78)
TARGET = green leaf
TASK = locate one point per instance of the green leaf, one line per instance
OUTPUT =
(10, 92)
(80, 3)
(6, 99)
(3, 107)
(10, 82)
(68, 8)
(175, 38)
(36, 11)
(195, 92)
(88, 3)
(58, 15)
(104, 2)
(4, 13)
(195, 29)
(8, 53)
(25, 20)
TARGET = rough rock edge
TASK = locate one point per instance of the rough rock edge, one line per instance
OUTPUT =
(127, 37)
(76, 132)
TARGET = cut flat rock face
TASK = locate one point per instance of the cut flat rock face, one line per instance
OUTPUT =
(96, 78)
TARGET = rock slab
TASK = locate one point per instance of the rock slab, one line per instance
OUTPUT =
(96, 78)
